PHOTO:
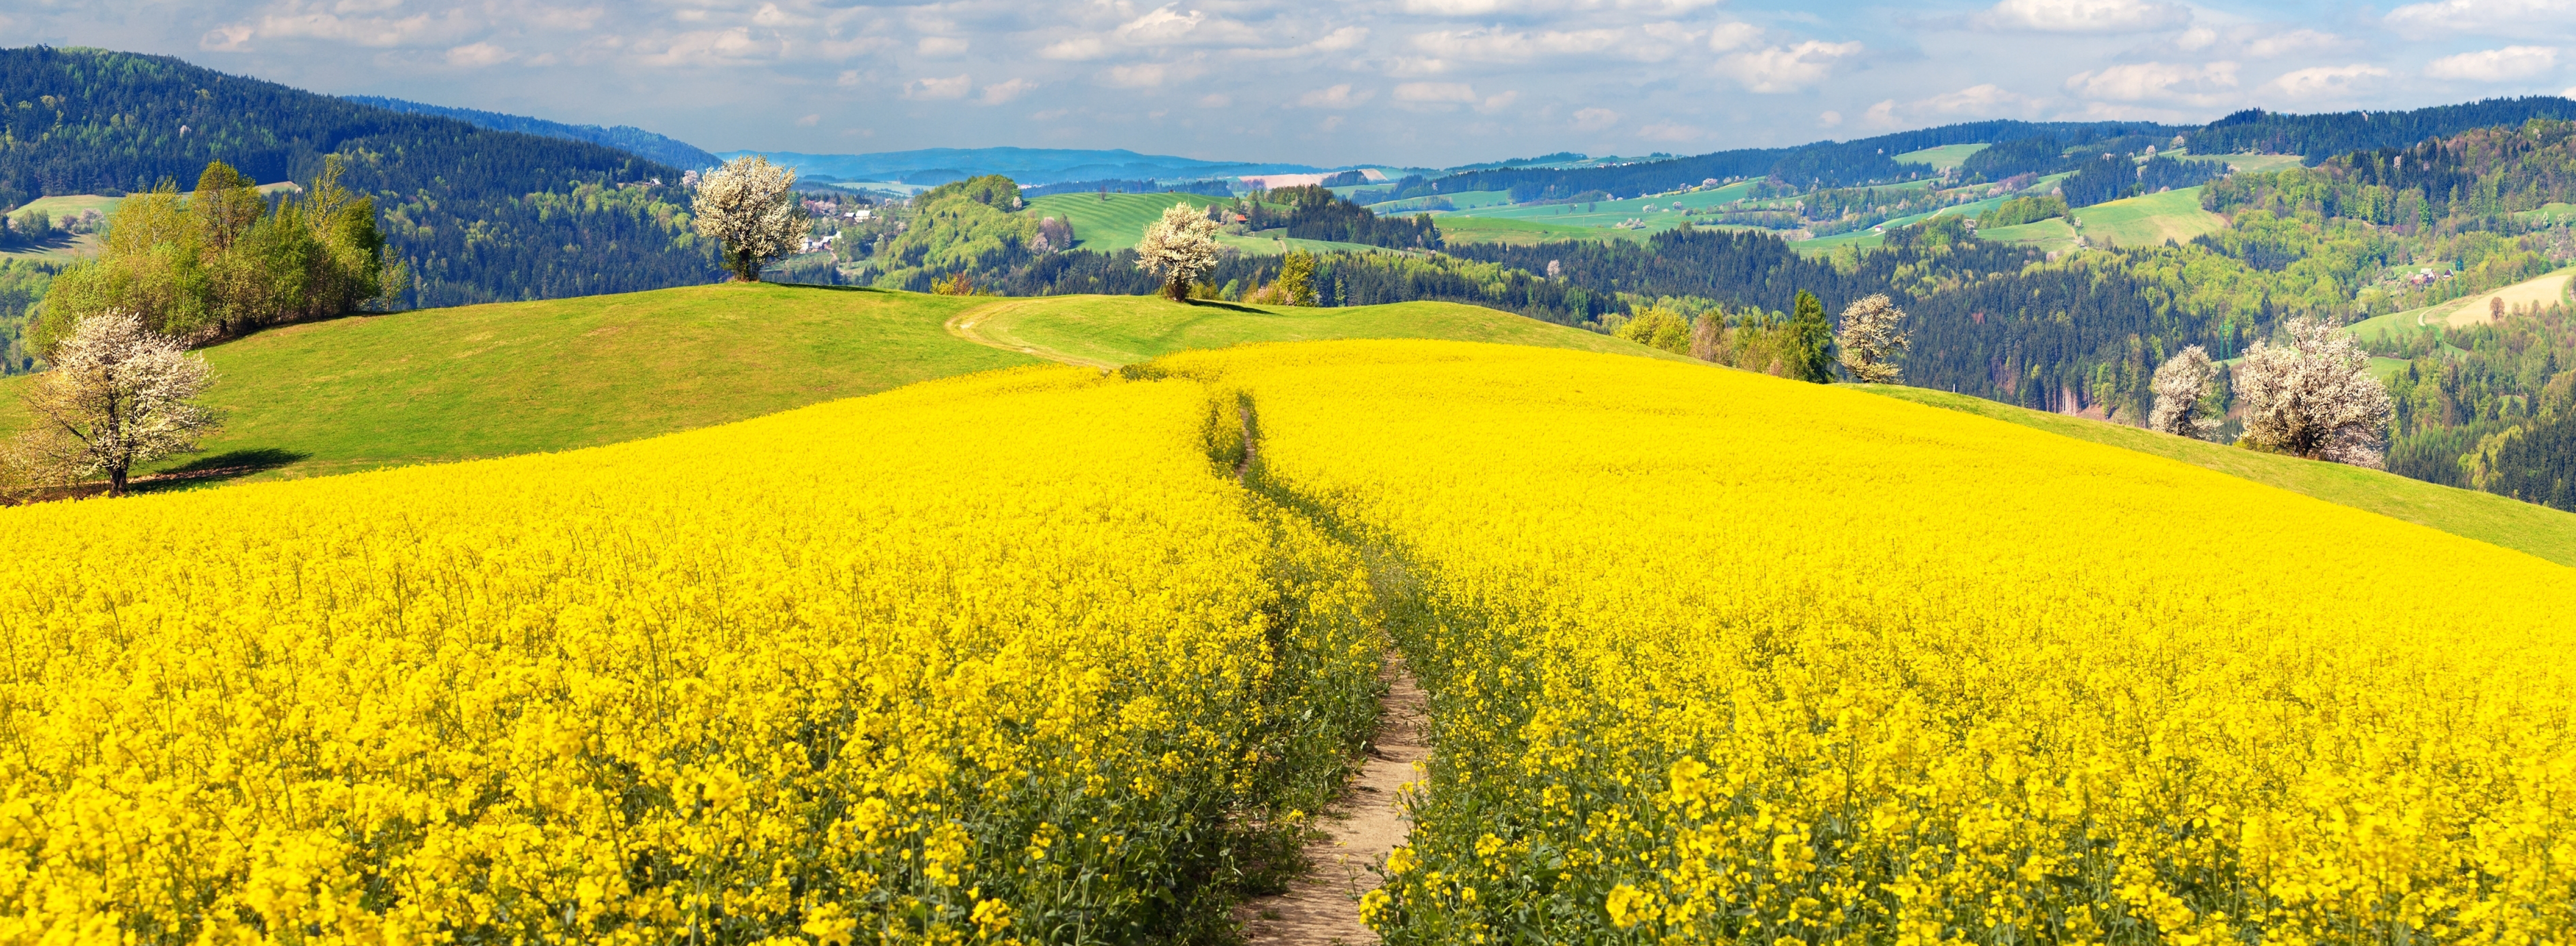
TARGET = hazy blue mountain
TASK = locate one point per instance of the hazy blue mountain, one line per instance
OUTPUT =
(627, 138)
(1025, 165)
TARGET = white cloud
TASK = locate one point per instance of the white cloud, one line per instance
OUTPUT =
(2321, 82)
(710, 48)
(810, 121)
(478, 55)
(1161, 27)
(2495, 65)
(941, 47)
(2085, 16)
(1595, 119)
(1445, 93)
(1077, 49)
(1497, 45)
(1498, 102)
(953, 87)
(1339, 96)
(1976, 101)
(1001, 92)
(849, 78)
(1144, 75)
(2484, 16)
(2293, 42)
(1829, 118)
(1728, 37)
(1785, 68)
(2154, 81)
(226, 39)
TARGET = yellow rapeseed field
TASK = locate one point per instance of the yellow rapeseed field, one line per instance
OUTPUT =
(999, 659)
(1716, 657)
(1044, 657)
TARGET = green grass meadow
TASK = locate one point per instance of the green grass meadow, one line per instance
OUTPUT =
(2149, 220)
(1941, 157)
(1123, 330)
(491, 380)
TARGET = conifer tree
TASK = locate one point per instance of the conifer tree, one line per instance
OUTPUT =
(1815, 338)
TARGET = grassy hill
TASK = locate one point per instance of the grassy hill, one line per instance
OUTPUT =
(2152, 219)
(2538, 530)
(494, 380)
(1942, 157)
(2050, 234)
(524, 377)
(1107, 226)
(1107, 331)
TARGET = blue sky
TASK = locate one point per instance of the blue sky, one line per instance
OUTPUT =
(1432, 82)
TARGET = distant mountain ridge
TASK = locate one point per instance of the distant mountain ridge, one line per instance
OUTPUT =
(931, 166)
(627, 138)
(481, 215)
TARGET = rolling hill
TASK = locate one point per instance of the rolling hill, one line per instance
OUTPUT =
(1107, 226)
(439, 385)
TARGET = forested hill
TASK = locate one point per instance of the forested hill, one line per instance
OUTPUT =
(2318, 137)
(1822, 164)
(481, 215)
(627, 138)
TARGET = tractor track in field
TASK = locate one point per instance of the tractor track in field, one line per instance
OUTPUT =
(967, 325)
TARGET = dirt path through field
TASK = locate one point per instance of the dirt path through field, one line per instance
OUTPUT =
(1323, 907)
(965, 325)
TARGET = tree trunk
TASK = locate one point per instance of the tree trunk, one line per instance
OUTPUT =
(116, 480)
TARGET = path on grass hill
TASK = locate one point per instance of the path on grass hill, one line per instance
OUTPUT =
(1323, 907)
(965, 324)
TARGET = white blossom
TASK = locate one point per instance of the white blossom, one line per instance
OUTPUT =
(1870, 338)
(746, 206)
(2182, 391)
(2314, 397)
(118, 395)
(1181, 247)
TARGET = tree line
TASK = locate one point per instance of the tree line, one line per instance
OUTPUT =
(479, 215)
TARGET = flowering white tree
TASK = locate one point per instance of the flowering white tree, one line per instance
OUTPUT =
(745, 205)
(119, 394)
(2314, 397)
(1870, 338)
(1181, 247)
(2182, 394)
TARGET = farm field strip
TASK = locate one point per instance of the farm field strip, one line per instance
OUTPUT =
(1907, 674)
(1005, 656)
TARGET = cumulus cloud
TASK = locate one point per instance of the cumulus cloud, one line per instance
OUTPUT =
(2484, 16)
(2495, 65)
(1785, 68)
(478, 55)
(2155, 82)
(710, 48)
(1498, 45)
(941, 47)
(1000, 92)
(1339, 96)
(2326, 82)
(2085, 16)
(1441, 93)
(2292, 43)
(953, 87)
(1595, 119)
(1077, 49)
(810, 121)
(1976, 101)
(1729, 37)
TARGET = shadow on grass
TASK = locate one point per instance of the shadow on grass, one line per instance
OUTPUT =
(1228, 306)
(209, 470)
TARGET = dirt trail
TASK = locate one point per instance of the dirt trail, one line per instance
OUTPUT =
(1361, 827)
(965, 324)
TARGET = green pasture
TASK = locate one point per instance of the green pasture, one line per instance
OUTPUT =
(1942, 157)
(1471, 200)
(2052, 234)
(2514, 524)
(1122, 330)
(1108, 226)
(2548, 215)
(489, 380)
(2149, 220)
(1458, 229)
